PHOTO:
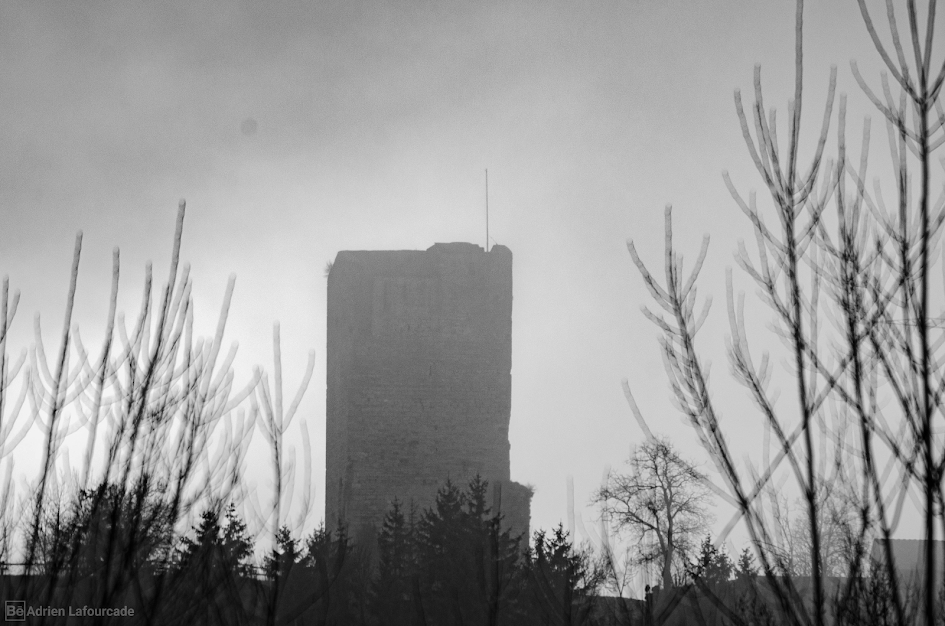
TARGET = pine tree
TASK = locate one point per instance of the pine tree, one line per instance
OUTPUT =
(750, 603)
(284, 556)
(468, 565)
(218, 548)
(391, 595)
(713, 566)
(330, 564)
(560, 578)
(212, 568)
(746, 569)
(237, 546)
(198, 552)
(443, 557)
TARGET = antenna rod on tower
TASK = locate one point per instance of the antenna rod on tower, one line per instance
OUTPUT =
(487, 209)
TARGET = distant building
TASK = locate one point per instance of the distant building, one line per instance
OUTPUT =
(419, 380)
(909, 559)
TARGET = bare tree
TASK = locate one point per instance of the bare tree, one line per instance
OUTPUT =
(849, 283)
(661, 502)
(161, 427)
(839, 529)
(275, 423)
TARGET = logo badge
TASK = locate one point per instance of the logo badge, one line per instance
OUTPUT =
(14, 610)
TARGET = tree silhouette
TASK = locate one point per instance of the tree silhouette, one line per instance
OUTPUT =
(468, 564)
(561, 580)
(397, 568)
(213, 568)
(331, 564)
(661, 501)
(712, 566)
(745, 568)
(107, 544)
(219, 547)
(284, 558)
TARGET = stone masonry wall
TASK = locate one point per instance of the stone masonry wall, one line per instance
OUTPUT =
(419, 379)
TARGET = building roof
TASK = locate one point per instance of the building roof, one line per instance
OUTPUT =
(908, 554)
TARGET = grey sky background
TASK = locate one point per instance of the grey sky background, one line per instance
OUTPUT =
(298, 129)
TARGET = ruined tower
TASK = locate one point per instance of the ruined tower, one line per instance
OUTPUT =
(419, 380)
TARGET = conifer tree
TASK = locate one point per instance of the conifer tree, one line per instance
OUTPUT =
(330, 563)
(469, 565)
(560, 578)
(237, 546)
(212, 569)
(712, 566)
(284, 556)
(391, 595)
(745, 568)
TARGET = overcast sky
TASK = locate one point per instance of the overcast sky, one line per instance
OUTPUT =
(295, 130)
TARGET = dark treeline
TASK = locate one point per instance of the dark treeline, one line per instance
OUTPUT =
(449, 564)
(452, 563)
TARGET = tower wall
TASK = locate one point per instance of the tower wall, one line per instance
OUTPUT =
(419, 379)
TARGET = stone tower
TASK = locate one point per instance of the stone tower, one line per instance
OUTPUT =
(419, 380)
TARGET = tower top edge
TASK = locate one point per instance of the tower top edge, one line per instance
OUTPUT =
(456, 247)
